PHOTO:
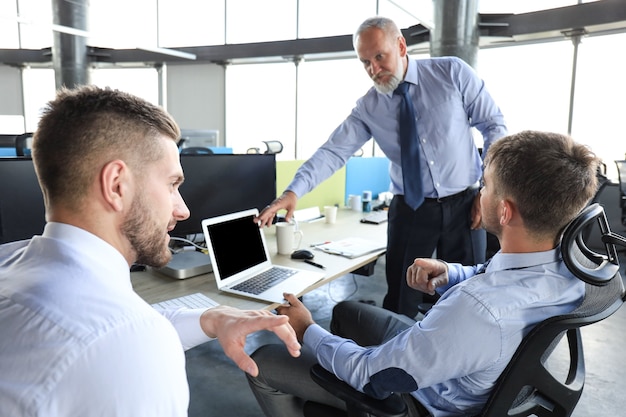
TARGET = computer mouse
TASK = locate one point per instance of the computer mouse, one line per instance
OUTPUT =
(302, 254)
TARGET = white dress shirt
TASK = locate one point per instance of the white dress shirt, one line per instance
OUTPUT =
(76, 340)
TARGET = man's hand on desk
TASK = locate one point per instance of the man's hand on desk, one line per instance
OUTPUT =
(287, 201)
(231, 326)
(300, 317)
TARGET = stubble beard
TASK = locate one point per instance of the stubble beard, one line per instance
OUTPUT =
(145, 235)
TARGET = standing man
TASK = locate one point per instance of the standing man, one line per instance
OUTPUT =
(75, 339)
(435, 165)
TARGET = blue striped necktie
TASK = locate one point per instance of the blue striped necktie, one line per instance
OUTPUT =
(409, 149)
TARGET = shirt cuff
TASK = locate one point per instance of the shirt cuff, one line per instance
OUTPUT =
(314, 335)
(187, 324)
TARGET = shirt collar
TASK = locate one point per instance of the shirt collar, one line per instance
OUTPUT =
(89, 248)
(411, 71)
(507, 261)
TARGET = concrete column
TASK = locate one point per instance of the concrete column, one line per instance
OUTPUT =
(69, 52)
(456, 30)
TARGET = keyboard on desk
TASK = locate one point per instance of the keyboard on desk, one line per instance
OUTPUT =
(195, 300)
(264, 280)
(375, 217)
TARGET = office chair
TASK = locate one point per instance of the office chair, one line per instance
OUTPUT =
(527, 387)
(621, 171)
(23, 144)
(271, 147)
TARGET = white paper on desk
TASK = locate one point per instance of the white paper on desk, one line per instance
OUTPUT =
(352, 247)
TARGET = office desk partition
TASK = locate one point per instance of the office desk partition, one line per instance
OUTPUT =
(155, 287)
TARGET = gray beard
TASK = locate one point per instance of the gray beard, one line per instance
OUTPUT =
(389, 87)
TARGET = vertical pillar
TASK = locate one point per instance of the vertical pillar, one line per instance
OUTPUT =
(69, 52)
(456, 30)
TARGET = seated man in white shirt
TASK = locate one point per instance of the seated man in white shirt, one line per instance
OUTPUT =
(76, 339)
(535, 183)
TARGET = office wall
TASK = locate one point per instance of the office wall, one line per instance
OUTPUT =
(195, 96)
(10, 91)
(330, 192)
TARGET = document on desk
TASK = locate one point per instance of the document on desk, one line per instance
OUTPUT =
(352, 247)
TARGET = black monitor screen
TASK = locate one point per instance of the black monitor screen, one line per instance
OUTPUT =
(22, 212)
(224, 183)
(214, 185)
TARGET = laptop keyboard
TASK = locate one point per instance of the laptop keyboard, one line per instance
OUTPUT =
(265, 280)
(195, 300)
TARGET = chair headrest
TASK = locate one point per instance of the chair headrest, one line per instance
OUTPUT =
(591, 267)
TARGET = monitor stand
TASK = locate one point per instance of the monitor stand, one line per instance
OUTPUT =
(187, 264)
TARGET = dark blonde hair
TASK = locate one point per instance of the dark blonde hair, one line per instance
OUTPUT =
(84, 128)
(548, 176)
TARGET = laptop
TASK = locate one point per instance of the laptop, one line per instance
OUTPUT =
(240, 257)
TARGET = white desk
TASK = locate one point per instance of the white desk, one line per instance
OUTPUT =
(155, 287)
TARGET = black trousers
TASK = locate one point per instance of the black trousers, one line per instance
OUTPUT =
(441, 225)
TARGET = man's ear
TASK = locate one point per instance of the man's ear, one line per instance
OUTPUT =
(506, 211)
(114, 178)
(402, 46)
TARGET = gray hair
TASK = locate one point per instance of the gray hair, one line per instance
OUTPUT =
(383, 23)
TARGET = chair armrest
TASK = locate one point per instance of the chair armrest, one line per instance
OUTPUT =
(392, 406)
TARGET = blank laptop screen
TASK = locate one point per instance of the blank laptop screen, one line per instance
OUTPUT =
(237, 245)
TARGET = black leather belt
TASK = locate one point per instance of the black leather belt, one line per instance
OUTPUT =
(449, 197)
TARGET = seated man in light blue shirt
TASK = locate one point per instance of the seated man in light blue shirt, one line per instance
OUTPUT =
(447, 363)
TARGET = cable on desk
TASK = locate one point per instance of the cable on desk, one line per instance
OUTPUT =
(356, 289)
(189, 242)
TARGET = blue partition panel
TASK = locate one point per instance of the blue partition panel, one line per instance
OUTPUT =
(367, 174)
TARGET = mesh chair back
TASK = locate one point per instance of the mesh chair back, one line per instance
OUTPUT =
(527, 387)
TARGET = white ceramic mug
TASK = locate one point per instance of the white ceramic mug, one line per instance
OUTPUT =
(288, 237)
(330, 214)
(355, 203)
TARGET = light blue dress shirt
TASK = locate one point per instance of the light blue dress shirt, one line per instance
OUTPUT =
(451, 359)
(449, 99)
(76, 340)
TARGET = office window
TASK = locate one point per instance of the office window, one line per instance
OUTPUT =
(530, 83)
(39, 88)
(598, 110)
(526, 6)
(327, 92)
(260, 106)
(123, 24)
(260, 21)
(191, 23)
(9, 38)
(407, 13)
(142, 82)
(37, 33)
(319, 18)
(11, 124)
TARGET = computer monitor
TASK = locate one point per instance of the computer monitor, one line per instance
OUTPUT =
(22, 213)
(214, 185)
(224, 183)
